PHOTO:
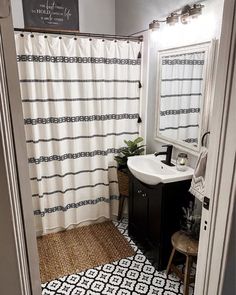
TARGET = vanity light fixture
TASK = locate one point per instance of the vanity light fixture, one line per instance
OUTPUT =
(154, 25)
(185, 14)
(184, 18)
(172, 19)
(196, 10)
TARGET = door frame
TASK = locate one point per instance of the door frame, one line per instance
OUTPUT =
(19, 255)
(216, 222)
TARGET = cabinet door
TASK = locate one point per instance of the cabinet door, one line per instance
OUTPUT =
(140, 208)
(155, 215)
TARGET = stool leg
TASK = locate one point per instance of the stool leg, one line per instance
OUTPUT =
(170, 262)
(188, 265)
(121, 205)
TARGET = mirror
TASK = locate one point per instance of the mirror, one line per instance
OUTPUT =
(183, 95)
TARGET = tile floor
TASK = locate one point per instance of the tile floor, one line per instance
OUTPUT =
(133, 275)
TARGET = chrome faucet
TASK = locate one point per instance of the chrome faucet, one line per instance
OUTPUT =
(168, 154)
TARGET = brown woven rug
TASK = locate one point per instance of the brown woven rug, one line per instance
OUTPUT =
(78, 249)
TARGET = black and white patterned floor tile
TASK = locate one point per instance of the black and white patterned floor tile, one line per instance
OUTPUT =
(133, 275)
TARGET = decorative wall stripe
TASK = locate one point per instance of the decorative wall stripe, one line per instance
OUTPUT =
(178, 112)
(182, 79)
(71, 173)
(77, 81)
(183, 62)
(73, 189)
(81, 137)
(78, 99)
(74, 205)
(77, 59)
(179, 127)
(58, 120)
(72, 156)
(181, 94)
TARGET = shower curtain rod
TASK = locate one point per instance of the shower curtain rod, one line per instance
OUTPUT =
(76, 33)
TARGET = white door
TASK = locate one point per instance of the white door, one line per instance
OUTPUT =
(220, 174)
(19, 266)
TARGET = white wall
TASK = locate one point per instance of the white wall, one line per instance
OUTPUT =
(204, 28)
(135, 15)
(95, 16)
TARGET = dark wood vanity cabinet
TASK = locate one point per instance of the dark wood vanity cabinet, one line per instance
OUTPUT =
(154, 215)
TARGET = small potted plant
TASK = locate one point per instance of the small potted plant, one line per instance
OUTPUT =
(191, 223)
(132, 148)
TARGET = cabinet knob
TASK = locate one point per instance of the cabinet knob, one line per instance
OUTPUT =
(139, 191)
(144, 195)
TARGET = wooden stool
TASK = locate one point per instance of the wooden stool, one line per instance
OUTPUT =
(186, 245)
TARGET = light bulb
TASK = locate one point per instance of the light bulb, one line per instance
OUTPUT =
(154, 25)
(172, 19)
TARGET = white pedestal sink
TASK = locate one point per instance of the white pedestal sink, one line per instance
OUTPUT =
(150, 170)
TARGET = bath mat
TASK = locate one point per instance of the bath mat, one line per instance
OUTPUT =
(82, 248)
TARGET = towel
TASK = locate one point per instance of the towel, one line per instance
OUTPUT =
(197, 187)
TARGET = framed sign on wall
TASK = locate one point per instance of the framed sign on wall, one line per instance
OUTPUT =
(51, 14)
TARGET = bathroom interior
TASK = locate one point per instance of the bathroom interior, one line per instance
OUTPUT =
(117, 118)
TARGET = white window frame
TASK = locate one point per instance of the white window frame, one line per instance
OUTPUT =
(209, 48)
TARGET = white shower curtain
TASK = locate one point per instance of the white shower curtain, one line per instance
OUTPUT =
(181, 96)
(80, 101)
